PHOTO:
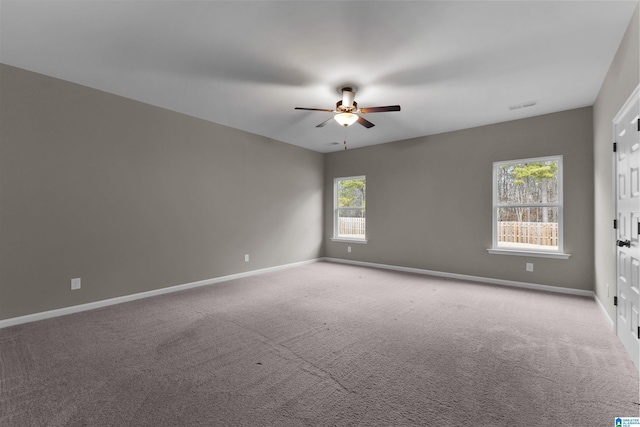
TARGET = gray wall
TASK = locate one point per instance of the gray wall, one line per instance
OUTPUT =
(623, 77)
(132, 198)
(429, 199)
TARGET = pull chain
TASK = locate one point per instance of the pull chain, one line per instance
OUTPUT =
(345, 137)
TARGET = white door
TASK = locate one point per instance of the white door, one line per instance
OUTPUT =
(627, 164)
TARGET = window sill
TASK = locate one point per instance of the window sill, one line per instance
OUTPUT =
(557, 255)
(345, 240)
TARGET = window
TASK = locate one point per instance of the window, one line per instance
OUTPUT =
(349, 219)
(527, 207)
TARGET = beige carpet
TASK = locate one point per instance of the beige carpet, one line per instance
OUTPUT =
(322, 345)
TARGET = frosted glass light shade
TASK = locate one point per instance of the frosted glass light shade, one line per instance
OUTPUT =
(346, 119)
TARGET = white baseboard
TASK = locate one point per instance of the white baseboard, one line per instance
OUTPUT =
(604, 311)
(512, 283)
(126, 298)
(118, 300)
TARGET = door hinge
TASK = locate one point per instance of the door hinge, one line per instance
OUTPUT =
(615, 147)
(639, 332)
(638, 122)
(615, 224)
(615, 300)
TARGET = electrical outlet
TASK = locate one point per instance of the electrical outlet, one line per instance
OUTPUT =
(607, 290)
(246, 258)
(349, 249)
(529, 266)
(75, 284)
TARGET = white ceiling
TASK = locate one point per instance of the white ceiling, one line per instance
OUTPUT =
(449, 64)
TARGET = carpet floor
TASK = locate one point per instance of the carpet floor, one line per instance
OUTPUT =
(322, 345)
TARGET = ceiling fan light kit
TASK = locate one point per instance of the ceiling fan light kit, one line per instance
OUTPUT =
(346, 119)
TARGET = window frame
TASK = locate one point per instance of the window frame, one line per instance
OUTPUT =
(533, 252)
(337, 209)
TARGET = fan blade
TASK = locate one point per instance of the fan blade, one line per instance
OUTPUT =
(364, 122)
(324, 123)
(380, 109)
(314, 109)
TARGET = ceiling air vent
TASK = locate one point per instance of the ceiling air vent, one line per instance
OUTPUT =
(523, 105)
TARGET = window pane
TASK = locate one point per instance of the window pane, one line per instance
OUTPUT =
(351, 193)
(534, 182)
(351, 224)
(528, 228)
(350, 205)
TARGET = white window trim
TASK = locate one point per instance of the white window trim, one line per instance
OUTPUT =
(344, 240)
(335, 211)
(540, 253)
(529, 253)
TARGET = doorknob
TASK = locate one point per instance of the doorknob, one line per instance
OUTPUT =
(622, 243)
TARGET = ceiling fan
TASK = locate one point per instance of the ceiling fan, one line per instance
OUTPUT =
(347, 111)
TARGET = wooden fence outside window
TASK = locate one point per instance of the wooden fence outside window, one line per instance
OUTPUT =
(348, 226)
(536, 233)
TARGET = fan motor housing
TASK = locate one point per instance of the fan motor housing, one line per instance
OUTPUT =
(342, 109)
